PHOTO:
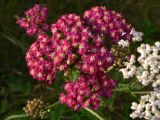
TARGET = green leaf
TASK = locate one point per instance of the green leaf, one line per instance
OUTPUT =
(77, 117)
(127, 110)
(57, 112)
(3, 106)
(74, 74)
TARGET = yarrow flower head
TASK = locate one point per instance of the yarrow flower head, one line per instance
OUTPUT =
(77, 44)
(86, 91)
(39, 59)
(75, 40)
(108, 22)
(96, 60)
(68, 33)
(147, 72)
(148, 107)
(34, 21)
(149, 69)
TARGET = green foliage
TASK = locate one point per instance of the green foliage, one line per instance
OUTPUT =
(57, 112)
(16, 115)
(74, 74)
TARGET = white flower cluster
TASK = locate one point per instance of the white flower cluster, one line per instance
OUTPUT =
(137, 36)
(148, 108)
(130, 68)
(149, 65)
(156, 83)
(123, 43)
(147, 72)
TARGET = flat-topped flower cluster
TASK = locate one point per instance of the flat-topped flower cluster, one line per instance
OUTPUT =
(76, 43)
(148, 107)
(147, 72)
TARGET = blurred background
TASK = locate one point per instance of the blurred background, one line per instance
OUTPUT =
(17, 86)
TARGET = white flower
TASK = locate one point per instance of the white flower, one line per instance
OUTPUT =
(149, 65)
(148, 107)
(157, 44)
(123, 43)
(147, 72)
(134, 106)
(137, 36)
(130, 69)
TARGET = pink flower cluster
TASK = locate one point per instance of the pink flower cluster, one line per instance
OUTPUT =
(39, 59)
(71, 38)
(86, 91)
(34, 21)
(95, 60)
(75, 43)
(108, 22)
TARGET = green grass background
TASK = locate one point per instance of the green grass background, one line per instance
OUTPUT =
(16, 86)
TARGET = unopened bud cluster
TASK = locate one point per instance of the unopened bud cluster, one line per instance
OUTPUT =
(120, 54)
(36, 109)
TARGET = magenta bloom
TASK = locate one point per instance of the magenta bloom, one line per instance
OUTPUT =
(108, 22)
(95, 60)
(71, 27)
(38, 60)
(79, 94)
(86, 91)
(76, 44)
(34, 21)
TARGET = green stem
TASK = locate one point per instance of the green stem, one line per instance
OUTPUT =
(147, 92)
(15, 116)
(24, 115)
(87, 109)
(133, 92)
(120, 90)
(53, 105)
(110, 68)
(94, 113)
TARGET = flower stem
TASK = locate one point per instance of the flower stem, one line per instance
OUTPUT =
(15, 116)
(53, 105)
(94, 113)
(145, 92)
(133, 92)
(110, 68)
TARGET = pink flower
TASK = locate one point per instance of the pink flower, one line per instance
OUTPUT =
(96, 60)
(108, 22)
(75, 43)
(40, 66)
(84, 93)
(34, 21)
